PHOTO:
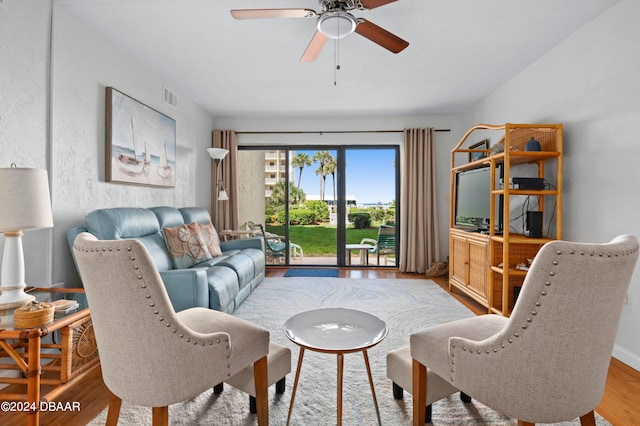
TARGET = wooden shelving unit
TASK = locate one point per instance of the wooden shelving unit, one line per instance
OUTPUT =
(490, 276)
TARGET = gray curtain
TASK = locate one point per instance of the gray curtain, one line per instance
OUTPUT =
(225, 216)
(419, 234)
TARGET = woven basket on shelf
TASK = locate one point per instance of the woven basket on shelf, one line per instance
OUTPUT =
(33, 314)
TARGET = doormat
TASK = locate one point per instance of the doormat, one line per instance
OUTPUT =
(332, 273)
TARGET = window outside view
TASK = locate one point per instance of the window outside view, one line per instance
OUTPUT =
(313, 227)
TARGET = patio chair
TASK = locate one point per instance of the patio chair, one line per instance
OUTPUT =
(275, 245)
(386, 243)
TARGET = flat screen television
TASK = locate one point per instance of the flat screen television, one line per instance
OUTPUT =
(473, 200)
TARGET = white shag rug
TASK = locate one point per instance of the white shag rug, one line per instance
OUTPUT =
(406, 305)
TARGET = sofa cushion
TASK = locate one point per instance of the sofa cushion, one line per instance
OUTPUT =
(195, 214)
(223, 288)
(242, 265)
(130, 222)
(186, 245)
(168, 217)
(122, 223)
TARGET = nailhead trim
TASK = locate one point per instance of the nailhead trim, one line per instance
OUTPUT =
(152, 304)
(543, 293)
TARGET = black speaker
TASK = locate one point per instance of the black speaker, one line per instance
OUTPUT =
(534, 224)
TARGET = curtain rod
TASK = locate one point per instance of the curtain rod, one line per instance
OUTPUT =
(320, 132)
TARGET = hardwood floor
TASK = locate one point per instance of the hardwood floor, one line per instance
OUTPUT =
(619, 404)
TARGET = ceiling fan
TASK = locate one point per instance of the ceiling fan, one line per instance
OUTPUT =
(333, 21)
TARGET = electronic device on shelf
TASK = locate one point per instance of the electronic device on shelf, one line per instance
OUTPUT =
(532, 183)
(472, 204)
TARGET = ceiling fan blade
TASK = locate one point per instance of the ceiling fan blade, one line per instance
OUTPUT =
(314, 48)
(381, 36)
(272, 13)
(372, 4)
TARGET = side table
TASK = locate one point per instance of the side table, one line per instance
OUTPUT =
(364, 252)
(335, 331)
(77, 355)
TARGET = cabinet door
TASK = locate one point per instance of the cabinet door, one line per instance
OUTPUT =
(458, 259)
(478, 266)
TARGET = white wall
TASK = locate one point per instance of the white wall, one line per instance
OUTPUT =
(72, 147)
(24, 111)
(590, 83)
(84, 64)
(445, 141)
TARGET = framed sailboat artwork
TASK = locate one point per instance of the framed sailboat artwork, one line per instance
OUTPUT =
(140, 143)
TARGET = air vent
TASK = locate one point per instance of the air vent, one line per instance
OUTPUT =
(169, 97)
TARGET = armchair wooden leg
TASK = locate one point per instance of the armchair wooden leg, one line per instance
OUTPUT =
(588, 419)
(521, 423)
(419, 393)
(160, 416)
(260, 378)
(113, 412)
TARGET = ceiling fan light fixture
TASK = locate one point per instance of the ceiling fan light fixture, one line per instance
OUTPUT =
(337, 24)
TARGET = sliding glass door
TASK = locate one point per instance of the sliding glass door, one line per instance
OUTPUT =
(317, 204)
(371, 191)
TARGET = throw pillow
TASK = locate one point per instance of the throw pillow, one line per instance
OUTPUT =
(186, 246)
(211, 239)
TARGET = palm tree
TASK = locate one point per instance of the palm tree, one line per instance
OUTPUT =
(322, 157)
(277, 197)
(296, 195)
(300, 160)
(330, 168)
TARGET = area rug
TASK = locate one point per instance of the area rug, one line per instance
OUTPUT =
(312, 272)
(405, 305)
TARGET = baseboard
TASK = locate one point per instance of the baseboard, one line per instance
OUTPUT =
(629, 358)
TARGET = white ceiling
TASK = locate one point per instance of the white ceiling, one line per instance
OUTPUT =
(460, 51)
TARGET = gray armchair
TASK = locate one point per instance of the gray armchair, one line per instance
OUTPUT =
(548, 362)
(150, 355)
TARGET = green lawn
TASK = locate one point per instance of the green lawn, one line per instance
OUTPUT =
(320, 240)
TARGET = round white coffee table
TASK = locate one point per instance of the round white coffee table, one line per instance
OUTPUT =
(335, 331)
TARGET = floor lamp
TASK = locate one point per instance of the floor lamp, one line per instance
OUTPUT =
(217, 154)
(24, 205)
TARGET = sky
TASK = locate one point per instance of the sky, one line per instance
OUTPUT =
(370, 175)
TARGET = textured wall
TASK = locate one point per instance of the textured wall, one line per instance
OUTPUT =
(590, 83)
(70, 91)
(24, 98)
(84, 65)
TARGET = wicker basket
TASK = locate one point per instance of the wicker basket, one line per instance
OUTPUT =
(33, 314)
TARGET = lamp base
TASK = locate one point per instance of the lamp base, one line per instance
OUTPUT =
(7, 309)
(5, 306)
(12, 282)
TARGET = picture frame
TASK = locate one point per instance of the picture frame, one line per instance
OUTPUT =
(140, 143)
(482, 145)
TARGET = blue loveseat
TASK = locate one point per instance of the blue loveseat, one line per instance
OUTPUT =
(221, 283)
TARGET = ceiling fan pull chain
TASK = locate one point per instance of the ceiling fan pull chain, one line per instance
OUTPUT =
(336, 60)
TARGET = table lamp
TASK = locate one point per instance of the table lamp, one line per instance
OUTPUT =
(217, 154)
(24, 205)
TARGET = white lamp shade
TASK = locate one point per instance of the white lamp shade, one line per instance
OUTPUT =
(217, 153)
(24, 199)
